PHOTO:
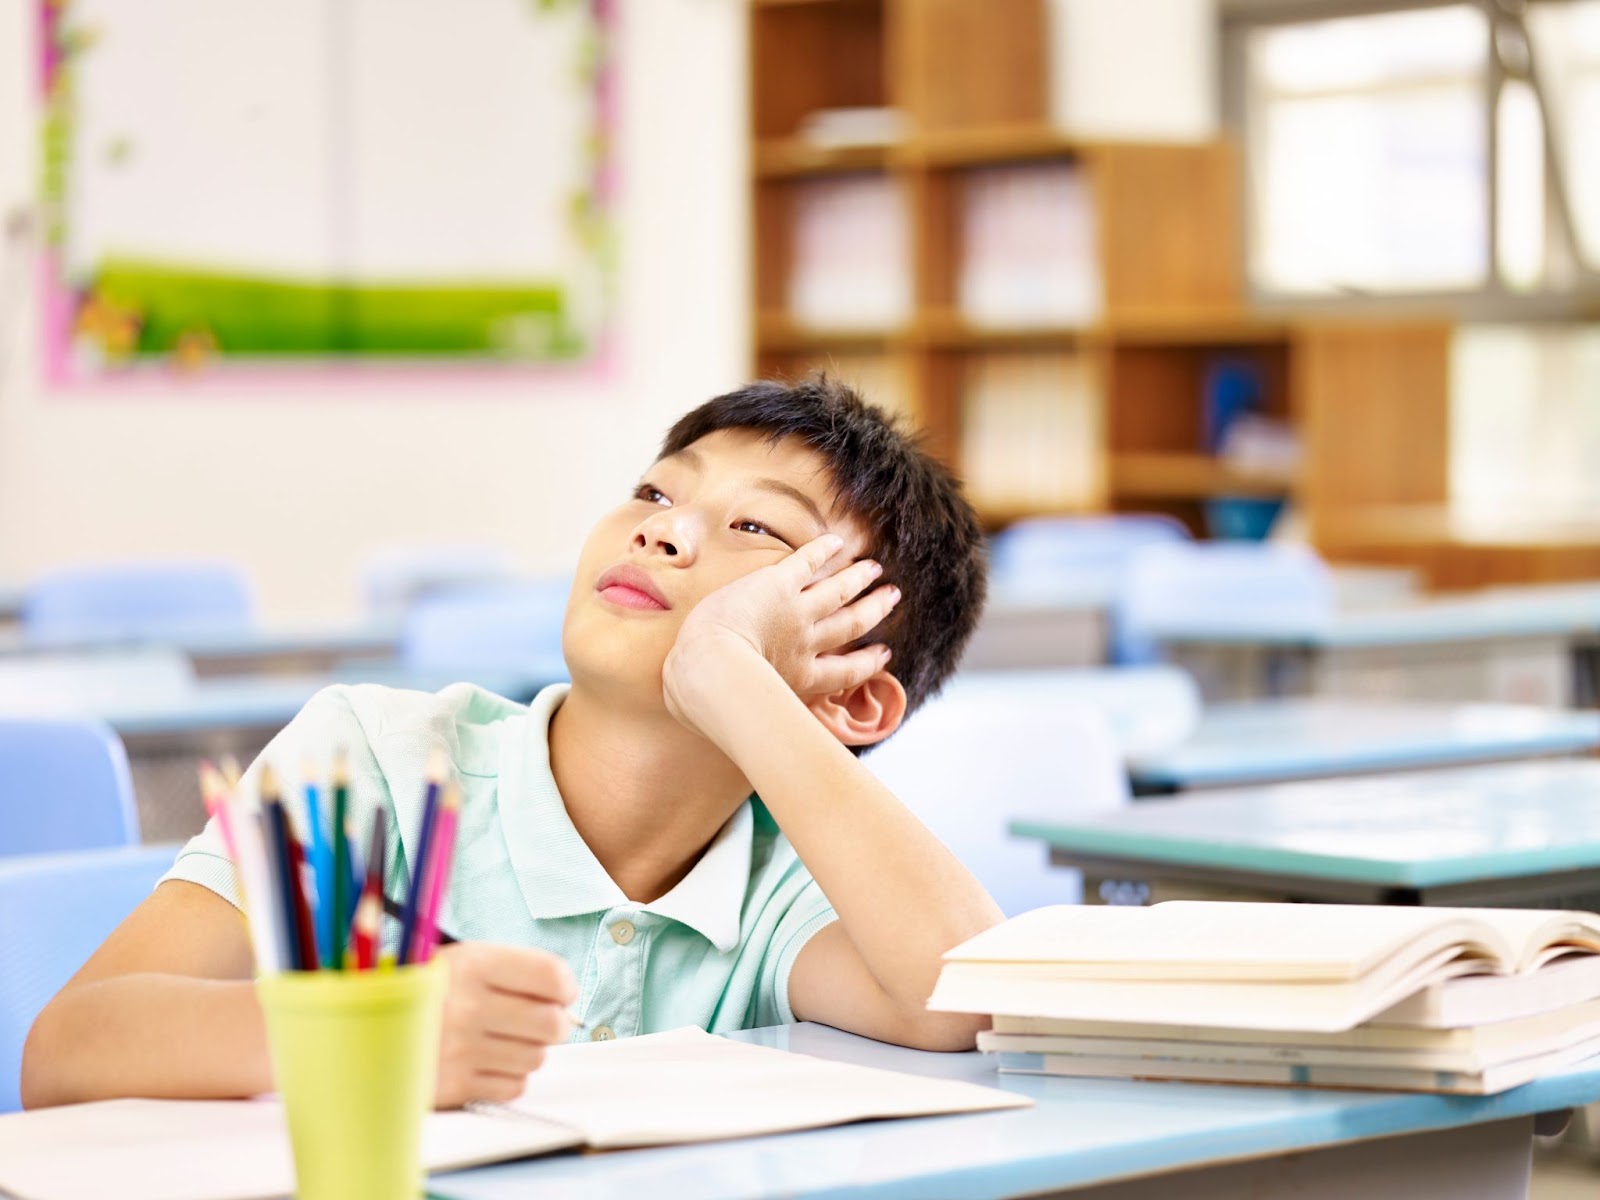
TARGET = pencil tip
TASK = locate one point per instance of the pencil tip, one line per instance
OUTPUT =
(269, 784)
(438, 765)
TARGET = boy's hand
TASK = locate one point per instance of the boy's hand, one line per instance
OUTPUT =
(795, 614)
(503, 1006)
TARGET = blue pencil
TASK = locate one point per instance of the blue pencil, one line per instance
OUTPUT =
(321, 868)
(437, 765)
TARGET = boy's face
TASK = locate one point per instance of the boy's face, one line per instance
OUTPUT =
(727, 505)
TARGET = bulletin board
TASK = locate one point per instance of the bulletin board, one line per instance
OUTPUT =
(234, 188)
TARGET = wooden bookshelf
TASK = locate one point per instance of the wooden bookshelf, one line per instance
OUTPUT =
(1368, 401)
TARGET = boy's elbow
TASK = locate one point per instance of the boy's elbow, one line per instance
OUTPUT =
(39, 1088)
(942, 1032)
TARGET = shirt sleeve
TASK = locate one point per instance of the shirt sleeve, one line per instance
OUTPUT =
(328, 724)
(808, 913)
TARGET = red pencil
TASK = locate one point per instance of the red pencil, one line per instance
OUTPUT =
(365, 929)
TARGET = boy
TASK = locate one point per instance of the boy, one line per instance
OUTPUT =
(683, 836)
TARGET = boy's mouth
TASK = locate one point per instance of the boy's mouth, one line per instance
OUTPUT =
(631, 587)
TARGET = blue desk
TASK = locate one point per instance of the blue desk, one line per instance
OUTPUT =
(1092, 1138)
(295, 648)
(1535, 644)
(1272, 741)
(1525, 834)
(167, 735)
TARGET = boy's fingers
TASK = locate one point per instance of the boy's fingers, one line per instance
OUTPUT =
(836, 672)
(809, 560)
(833, 593)
(859, 619)
(535, 973)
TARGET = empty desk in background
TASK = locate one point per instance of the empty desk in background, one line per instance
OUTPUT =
(166, 736)
(1517, 834)
(278, 649)
(1530, 645)
(1098, 1139)
(1276, 740)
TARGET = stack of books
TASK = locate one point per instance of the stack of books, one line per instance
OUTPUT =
(1031, 431)
(1457, 1000)
(1028, 253)
(850, 260)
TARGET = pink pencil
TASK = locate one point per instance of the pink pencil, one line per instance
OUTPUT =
(444, 843)
(215, 791)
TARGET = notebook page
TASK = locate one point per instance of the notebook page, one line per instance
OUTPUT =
(687, 1085)
(211, 1149)
(1221, 938)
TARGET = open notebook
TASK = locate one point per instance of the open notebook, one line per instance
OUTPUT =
(681, 1086)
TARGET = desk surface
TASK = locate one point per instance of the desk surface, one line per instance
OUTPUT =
(1270, 741)
(1080, 1132)
(355, 639)
(1428, 829)
(1566, 611)
(267, 701)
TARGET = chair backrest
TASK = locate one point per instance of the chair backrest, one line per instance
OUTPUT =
(1150, 709)
(514, 627)
(55, 910)
(132, 601)
(395, 577)
(973, 760)
(67, 787)
(1243, 586)
(1044, 548)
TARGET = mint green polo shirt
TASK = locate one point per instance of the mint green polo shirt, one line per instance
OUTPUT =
(716, 951)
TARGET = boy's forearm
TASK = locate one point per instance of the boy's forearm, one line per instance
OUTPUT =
(147, 1035)
(903, 897)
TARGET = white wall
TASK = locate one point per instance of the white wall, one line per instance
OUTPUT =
(297, 484)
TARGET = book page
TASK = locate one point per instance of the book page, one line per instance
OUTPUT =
(1199, 939)
(687, 1085)
(211, 1149)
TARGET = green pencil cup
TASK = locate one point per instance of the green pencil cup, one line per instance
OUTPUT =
(354, 1054)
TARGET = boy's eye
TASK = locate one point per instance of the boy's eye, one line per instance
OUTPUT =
(753, 527)
(651, 494)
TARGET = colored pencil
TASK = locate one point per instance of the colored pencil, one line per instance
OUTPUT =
(214, 792)
(284, 870)
(339, 898)
(372, 893)
(438, 765)
(364, 932)
(444, 844)
(353, 883)
(318, 848)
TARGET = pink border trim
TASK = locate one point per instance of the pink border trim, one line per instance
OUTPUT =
(364, 378)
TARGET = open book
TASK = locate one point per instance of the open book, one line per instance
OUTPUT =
(681, 1086)
(1256, 966)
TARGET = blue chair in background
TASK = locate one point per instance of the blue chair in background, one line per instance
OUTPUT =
(395, 577)
(1044, 556)
(137, 601)
(55, 910)
(1230, 587)
(67, 787)
(489, 633)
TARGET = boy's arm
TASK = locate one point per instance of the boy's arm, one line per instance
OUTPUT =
(902, 898)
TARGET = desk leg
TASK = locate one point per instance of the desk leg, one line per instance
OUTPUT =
(1485, 1162)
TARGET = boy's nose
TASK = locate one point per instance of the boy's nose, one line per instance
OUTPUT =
(666, 535)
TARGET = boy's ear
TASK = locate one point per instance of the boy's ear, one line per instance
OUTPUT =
(864, 714)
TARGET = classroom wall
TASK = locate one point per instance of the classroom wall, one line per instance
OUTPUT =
(297, 484)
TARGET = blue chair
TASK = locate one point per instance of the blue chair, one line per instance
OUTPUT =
(56, 909)
(395, 577)
(492, 632)
(1239, 587)
(1045, 547)
(1042, 556)
(67, 786)
(137, 601)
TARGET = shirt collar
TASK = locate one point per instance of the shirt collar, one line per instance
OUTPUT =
(559, 875)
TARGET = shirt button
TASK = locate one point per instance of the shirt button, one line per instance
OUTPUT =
(622, 932)
(602, 1033)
